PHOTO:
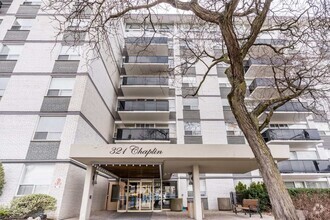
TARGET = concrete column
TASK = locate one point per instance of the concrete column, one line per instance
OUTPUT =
(86, 203)
(197, 194)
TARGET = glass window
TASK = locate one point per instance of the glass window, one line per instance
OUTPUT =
(10, 52)
(61, 87)
(3, 85)
(317, 184)
(70, 53)
(192, 128)
(299, 184)
(289, 184)
(36, 179)
(307, 155)
(233, 129)
(32, 2)
(190, 103)
(293, 155)
(22, 24)
(189, 81)
(49, 128)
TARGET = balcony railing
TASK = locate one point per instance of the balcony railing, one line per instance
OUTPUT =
(271, 41)
(143, 134)
(146, 40)
(143, 106)
(146, 59)
(291, 134)
(261, 82)
(304, 166)
(292, 107)
(145, 81)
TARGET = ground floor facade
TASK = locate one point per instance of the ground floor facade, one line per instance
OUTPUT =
(143, 180)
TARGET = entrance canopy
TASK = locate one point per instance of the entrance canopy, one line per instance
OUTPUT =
(155, 160)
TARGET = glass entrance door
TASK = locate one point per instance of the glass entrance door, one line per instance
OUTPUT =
(146, 195)
(133, 196)
(140, 195)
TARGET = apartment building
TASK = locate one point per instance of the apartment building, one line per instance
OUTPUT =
(116, 131)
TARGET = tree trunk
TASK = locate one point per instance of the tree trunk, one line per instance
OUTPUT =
(280, 199)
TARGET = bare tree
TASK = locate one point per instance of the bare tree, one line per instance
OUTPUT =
(295, 56)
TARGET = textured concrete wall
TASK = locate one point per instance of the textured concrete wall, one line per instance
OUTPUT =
(25, 93)
(12, 176)
(16, 132)
(218, 188)
(72, 194)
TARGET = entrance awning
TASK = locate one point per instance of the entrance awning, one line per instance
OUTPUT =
(173, 158)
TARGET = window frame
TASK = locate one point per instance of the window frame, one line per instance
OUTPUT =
(49, 90)
(47, 133)
(23, 173)
(195, 132)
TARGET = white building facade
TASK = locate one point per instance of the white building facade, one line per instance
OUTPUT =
(115, 132)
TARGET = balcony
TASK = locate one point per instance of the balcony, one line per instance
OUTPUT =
(289, 112)
(144, 135)
(144, 110)
(138, 65)
(304, 166)
(4, 6)
(145, 86)
(292, 137)
(147, 46)
(262, 67)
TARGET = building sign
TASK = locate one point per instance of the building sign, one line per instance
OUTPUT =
(135, 150)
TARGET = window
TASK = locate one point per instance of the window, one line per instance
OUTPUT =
(22, 24)
(192, 128)
(10, 52)
(233, 129)
(278, 126)
(307, 155)
(188, 81)
(317, 184)
(299, 184)
(32, 2)
(289, 184)
(49, 128)
(36, 179)
(307, 184)
(70, 53)
(61, 87)
(78, 24)
(3, 85)
(190, 103)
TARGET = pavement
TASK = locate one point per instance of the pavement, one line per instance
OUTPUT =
(167, 215)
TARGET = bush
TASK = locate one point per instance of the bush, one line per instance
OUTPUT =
(254, 191)
(2, 178)
(4, 212)
(32, 205)
(315, 203)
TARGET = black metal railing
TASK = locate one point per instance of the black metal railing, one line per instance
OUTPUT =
(304, 166)
(146, 59)
(291, 134)
(293, 107)
(142, 134)
(143, 105)
(145, 81)
(261, 82)
(146, 40)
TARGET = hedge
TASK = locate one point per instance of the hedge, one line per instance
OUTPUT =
(315, 203)
(28, 206)
(2, 178)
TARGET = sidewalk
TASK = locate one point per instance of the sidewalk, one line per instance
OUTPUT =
(102, 215)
